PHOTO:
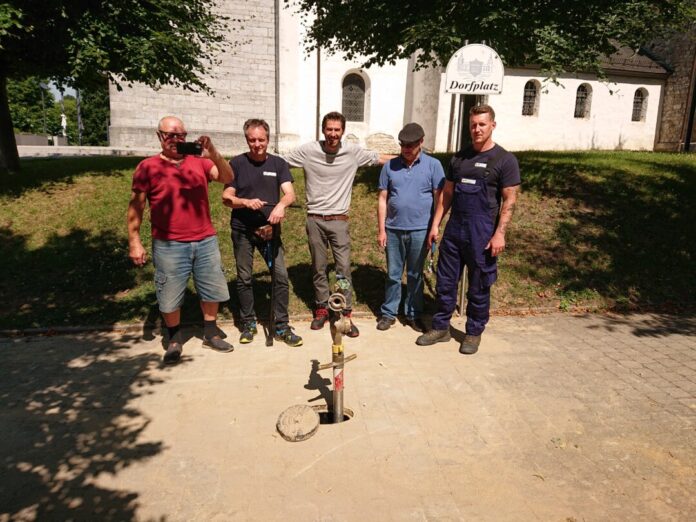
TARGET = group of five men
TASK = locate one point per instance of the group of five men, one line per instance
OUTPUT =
(415, 194)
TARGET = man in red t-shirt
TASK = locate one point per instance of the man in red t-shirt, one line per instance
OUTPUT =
(184, 241)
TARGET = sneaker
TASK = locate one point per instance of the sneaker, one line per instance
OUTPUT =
(385, 322)
(321, 315)
(289, 337)
(470, 344)
(415, 323)
(218, 344)
(173, 353)
(434, 336)
(249, 330)
(353, 331)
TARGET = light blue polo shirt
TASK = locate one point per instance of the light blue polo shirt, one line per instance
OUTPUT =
(410, 191)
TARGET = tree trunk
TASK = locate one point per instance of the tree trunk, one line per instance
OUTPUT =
(9, 157)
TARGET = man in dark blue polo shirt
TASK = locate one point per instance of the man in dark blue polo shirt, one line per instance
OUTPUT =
(254, 196)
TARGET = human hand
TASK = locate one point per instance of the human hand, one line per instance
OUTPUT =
(433, 236)
(277, 215)
(137, 253)
(209, 151)
(254, 204)
(382, 239)
(496, 244)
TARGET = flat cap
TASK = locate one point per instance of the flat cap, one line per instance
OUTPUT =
(411, 133)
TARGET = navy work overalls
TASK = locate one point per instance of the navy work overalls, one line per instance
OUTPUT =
(468, 231)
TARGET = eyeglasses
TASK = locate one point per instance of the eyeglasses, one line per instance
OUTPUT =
(172, 135)
(411, 145)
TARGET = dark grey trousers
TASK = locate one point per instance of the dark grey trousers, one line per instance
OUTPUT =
(321, 235)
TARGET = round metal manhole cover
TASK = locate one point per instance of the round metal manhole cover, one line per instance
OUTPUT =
(298, 423)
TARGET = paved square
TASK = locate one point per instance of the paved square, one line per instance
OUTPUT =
(558, 417)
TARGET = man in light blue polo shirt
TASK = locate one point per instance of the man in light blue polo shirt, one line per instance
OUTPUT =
(408, 189)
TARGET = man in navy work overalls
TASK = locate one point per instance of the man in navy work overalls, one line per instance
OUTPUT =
(477, 179)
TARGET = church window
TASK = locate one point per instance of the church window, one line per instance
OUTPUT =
(640, 105)
(583, 101)
(353, 106)
(530, 102)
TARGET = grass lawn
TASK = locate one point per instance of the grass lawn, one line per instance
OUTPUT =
(592, 230)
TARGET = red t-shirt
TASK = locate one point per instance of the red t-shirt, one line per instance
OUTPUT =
(178, 197)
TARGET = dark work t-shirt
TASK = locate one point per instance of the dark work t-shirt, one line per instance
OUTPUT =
(468, 163)
(261, 180)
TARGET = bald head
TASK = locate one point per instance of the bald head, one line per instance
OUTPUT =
(171, 130)
(169, 123)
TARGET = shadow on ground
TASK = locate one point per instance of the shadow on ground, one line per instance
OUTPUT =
(77, 278)
(650, 325)
(37, 173)
(68, 417)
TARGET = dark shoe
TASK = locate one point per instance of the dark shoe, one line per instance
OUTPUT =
(416, 324)
(321, 315)
(216, 343)
(385, 322)
(173, 353)
(353, 331)
(249, 330)
(470, 344)
(433, 336)
(289, 337)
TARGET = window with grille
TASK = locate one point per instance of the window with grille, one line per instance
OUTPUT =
(640, 105)
(583, 99)
(353, 106)
(530, 102)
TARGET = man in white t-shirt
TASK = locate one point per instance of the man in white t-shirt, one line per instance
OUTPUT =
(330, 168)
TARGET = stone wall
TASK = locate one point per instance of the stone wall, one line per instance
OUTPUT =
(679, 53)
(244, 86)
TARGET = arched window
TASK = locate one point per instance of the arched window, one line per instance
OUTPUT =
(530, 102)
(640, 105)
(353, 106)
(583, 101)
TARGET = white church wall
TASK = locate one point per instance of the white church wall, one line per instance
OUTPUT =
(608, 126)
(244, 85)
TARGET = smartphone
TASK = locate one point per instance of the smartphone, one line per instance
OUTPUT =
(191, 148)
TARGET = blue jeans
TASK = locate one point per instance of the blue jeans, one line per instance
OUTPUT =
(404, 247)
(175, 261)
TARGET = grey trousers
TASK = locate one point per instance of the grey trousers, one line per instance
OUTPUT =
(321, 235)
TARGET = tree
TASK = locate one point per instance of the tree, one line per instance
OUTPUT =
(94, 106)
(558, 36)
(84, 42)
(31, 101)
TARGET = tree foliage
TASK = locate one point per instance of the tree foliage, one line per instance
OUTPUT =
(30, 102)
(558, 36)
(84, 42)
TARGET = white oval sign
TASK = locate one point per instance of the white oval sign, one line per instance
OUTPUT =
(475, 69)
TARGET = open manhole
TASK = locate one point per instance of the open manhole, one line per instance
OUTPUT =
(326, 415)
(300, 422)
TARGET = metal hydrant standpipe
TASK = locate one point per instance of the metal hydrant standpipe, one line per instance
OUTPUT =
(340, 326)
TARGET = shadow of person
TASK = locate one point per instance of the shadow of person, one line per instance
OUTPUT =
(300, 276)
(368, 285)
(70, 414)
(153, 324)
(319, 383)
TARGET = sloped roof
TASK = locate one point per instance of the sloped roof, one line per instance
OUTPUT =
(628, 61)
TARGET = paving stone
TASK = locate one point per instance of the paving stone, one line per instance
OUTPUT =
(557, 417)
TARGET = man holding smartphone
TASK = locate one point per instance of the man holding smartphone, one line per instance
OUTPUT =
(184, 241)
